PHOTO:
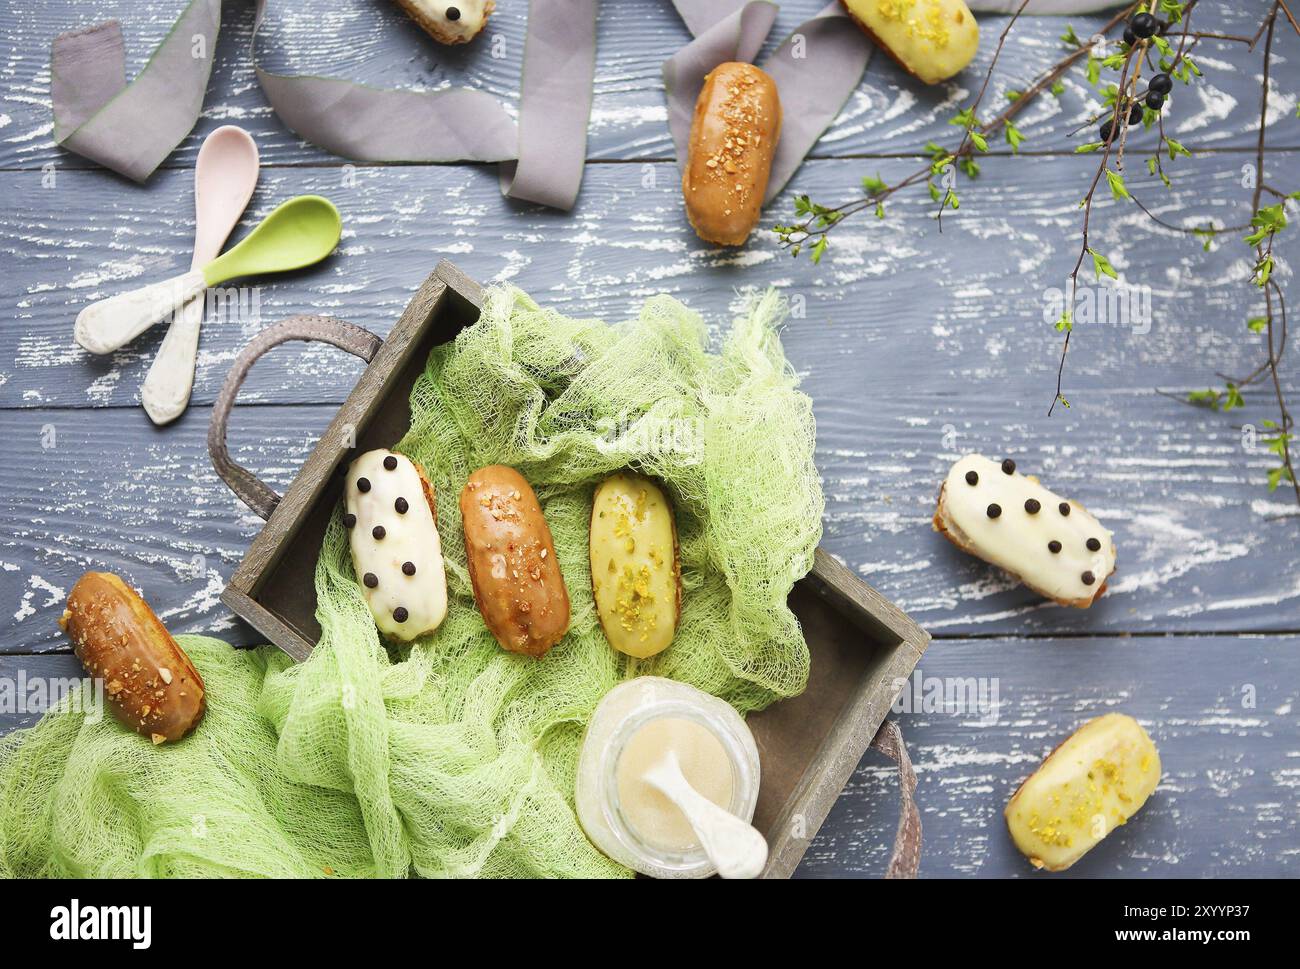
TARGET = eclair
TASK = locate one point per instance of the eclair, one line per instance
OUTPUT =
(450, 21)
(392, 520)
(149, 682)
(930, 39)
(518, 586)
(635, 573)
(733, 137)
(1051, 544)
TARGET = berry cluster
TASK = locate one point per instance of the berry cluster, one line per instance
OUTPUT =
(1141, 27)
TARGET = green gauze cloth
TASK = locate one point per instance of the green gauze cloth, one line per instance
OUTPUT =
(451, 757)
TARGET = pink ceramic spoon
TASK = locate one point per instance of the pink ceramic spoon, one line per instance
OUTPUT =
(225, 175)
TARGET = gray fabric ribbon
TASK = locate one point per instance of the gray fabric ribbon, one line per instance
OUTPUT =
(132, 128)
(906, 857)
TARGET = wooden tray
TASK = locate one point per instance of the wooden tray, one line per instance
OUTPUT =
(861, 644)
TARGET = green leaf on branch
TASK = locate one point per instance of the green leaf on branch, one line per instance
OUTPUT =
(1101, 265)
(1014, 138)
(1263, 271)
(1268, 221)
(1277, 475)
(873, 185)
(1117, 187)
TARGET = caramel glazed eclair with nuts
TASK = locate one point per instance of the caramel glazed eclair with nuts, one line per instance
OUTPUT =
(511, 558)
(151, 685)
(1052, 545)
(392, 521)
(729, 159)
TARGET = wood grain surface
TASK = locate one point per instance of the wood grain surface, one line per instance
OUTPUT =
(916, 346)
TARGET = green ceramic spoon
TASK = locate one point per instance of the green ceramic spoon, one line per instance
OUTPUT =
(297, 233)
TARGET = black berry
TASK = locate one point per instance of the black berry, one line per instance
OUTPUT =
(408, 568)
(363, 485)
(1106, 128)
(1094, 545)
(1088, 578)
(349, 520)
(972, 478)
(378, 531)
(1008, 466)
(994, 510)
(371, 580)
(1064, 507)
(400, 614)
(1130, 38)
(1155, 101)
(1161, 84)
(390, 463)
(1053, 546)
(1135, 112)
(453, 13)
(1032, 506)
(1143, 25)
(401, 505)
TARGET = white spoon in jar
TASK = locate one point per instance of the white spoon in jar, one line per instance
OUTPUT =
(736, 848)
(225, 175)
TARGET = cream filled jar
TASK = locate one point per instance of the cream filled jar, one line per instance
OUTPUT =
(632, 728)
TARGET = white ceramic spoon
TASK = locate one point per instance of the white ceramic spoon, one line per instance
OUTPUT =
(735, 847)
(225, 175)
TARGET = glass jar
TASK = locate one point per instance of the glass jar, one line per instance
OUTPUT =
(618, 718)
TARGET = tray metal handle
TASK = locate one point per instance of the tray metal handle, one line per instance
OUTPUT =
(250, 489)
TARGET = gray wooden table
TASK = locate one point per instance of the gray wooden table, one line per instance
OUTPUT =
(915, 346)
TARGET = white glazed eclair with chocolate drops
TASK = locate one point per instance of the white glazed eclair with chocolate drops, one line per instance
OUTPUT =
(635, 576)
(450, 21)
(733, 137)
(150, 684)
(1049, 543)
(392, 520)
(1097, 779)
(930, 39)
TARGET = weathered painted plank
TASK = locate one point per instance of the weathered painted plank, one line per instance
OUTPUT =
(1202, 544)
(968, 308)
(1227, 806)
(375, 43)
(1221, 710)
